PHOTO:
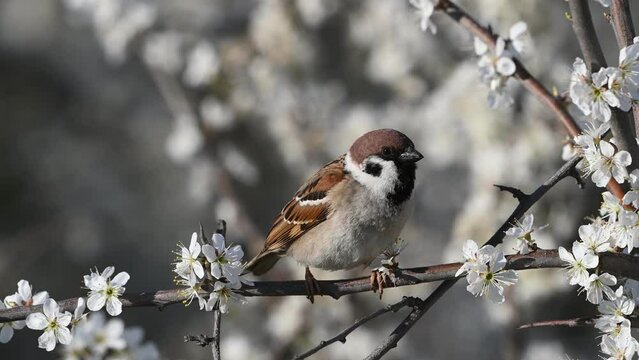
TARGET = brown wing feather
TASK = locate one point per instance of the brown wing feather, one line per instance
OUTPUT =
(306, 210)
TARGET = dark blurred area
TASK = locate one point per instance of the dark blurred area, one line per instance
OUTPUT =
(117, 139)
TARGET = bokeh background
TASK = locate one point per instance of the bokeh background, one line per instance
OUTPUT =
(126, 123)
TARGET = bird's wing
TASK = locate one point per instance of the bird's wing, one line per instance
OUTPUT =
(309, 208)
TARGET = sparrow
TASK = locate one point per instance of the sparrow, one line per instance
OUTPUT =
(349, 211)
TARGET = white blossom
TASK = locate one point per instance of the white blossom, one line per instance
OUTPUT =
(610, 165)
(105, 291)
(78, 314)
(522, 232)
(595, 237)
(226, 262)
(53, 322)
(202, 65)
(519, 38)
(7, 328)
(620, 347)
(629, 68)
(162, 51)
(590, 93)
(25, 296)
(489, 280)
(222, 294)
(425, 9)
(632, 196)
(188, 259)
(578, 263)
(495, 67)
(627, 230)
(193, 289)
(473, 256)
(617, 307)
(610, 207)
(598, 285)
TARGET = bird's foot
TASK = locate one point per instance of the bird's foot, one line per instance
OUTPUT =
(312, 286)
(384, 276)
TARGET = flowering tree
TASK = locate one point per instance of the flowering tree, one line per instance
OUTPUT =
(598, 110)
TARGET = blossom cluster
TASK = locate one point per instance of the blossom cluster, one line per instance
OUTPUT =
(214, 268)
(614, 230)
(596, 93)
(496, 65)
(55, 323)
(96, 338)
(484, 269)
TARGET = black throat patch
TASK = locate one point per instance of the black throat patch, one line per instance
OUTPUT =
(405, 183)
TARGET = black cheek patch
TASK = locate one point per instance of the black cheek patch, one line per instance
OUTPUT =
(373, 169)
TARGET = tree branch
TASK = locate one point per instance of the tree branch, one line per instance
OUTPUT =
(622, 22)
(586, 36)
(624, 33)
(614, 263)
(620, 121)
(530, 82)
(584, 321)
(407, 301)
(524, 204)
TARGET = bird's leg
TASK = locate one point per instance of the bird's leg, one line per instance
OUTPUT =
(384, 276)
(312, 286)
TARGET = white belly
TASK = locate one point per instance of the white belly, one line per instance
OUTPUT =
(351, 239)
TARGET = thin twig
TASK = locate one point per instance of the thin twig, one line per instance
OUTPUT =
(217, 315)
(524, 204)
(341, 337)
(583, 321)
(217, 324)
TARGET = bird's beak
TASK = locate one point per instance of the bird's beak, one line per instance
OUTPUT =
(411, 156)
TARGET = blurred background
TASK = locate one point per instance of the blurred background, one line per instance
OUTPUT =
(126, 123)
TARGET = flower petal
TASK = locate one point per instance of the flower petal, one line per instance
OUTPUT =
(114, 306)
(96, 301)
(218, 241)
(37, 321)
(6, 333)
(50, 308)
(63, 334)
(47, 340)
(209, 252)
(121, 279)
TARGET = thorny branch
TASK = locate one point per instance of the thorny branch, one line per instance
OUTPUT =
(525, 203)
(407, 301)
(614, 263)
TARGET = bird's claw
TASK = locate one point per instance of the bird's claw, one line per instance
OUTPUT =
(383, 276)
(312, 286)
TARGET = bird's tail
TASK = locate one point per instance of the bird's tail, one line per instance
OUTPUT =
(262, 263)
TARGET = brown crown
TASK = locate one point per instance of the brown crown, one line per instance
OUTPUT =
(372, 143)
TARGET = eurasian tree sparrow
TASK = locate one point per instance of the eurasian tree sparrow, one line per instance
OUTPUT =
(349, 212)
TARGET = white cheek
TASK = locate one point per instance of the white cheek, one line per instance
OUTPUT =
(381, 185)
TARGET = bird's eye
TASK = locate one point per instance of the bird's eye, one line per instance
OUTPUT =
(386, 151)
